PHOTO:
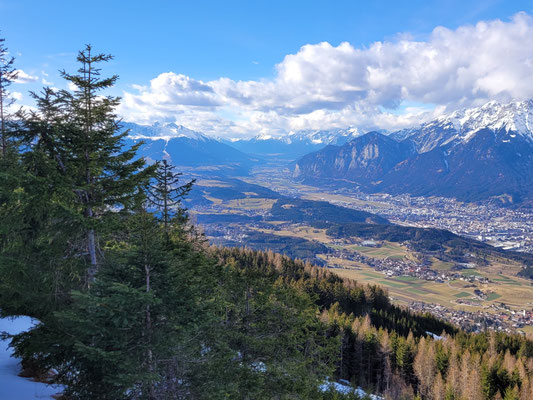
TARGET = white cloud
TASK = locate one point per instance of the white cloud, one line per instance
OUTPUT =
(324, 86)
(23, 77)
(72, 86)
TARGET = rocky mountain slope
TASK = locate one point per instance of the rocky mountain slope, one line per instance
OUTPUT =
(474, 154)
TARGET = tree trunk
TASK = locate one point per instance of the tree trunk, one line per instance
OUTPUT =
(149, 354)
(91, 245)
(3, 126)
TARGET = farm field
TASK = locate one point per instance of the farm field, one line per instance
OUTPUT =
(515, 292)
(503, 285)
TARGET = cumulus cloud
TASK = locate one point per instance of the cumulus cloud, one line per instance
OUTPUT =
(324, 86)
(23, 77)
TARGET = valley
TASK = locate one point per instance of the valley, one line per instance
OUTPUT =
(477, 292)
(280, 200)
(438, 214)
(508, 228)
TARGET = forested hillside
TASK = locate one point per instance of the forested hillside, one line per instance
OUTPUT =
(134, 304)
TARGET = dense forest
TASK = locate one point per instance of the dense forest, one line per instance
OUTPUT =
(133, 303)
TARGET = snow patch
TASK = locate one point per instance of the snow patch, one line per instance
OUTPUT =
(343, 387)
(434, 336)
(12, 386)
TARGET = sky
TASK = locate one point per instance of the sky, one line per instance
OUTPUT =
(245, 68)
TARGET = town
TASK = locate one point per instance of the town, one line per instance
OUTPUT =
(494, 317)
(488, 221)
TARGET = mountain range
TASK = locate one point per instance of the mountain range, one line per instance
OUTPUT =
(184, 147)
(461, 126)
(295, 144)
(474, 154)
(471, 154)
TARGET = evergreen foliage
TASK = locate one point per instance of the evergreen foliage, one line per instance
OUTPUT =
(8, 74)
(133, 304)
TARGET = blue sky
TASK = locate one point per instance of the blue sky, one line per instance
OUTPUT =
(217, 44)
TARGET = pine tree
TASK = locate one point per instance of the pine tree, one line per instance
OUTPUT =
(166, 194)
(139, 330)
(512, 393)
(78, 135)
(8, 74)
(104, 174)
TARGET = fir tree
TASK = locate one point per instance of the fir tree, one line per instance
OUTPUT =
(166, 194)
(8, 74)
(78, 135)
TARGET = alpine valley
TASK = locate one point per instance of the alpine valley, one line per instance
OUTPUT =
(438, 201)
(160, 262)
(484, 153)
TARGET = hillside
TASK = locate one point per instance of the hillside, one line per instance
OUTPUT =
(478, 154)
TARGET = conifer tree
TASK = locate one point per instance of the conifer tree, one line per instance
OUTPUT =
(78, 135)
(8, 74)
(104, 175)
(166, 194)
(139, 329)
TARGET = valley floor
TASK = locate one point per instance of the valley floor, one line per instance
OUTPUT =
(487, 222)
(477, 297)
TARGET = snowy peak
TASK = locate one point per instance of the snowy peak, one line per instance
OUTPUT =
(323, 137)
(511, 119)
(295, 144)
(515, 116)
(162, 131)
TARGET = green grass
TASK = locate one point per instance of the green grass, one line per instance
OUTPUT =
(395, 284)
(441, 265)
(462, 294)
(470, 273)
(407, 278)
(493, 296)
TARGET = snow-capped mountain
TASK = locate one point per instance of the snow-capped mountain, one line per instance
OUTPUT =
(322, 137)
(185, 147)
(515, 118)
(295, 144)
(474, 154)
(161, 131)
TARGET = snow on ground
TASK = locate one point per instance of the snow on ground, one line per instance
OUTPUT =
(12, 386)
(344, 387)
(434, 336)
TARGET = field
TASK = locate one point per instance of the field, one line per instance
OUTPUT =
(251, 203)
(385, 250)
(503, 286)
(517, 293)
